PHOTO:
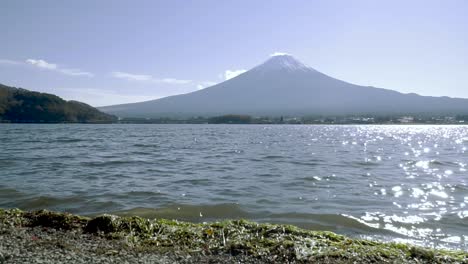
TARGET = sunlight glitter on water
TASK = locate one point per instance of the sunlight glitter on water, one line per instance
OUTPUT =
(426, 189)
(391, 182)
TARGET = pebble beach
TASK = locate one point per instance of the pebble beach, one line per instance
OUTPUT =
(49, 237)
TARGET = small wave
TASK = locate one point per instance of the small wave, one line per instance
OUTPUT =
(111, 163)
(34, 141)
(255, 159)
(191, 213)
(7, 162)
(193, 181)
(304, 163)
(266, 175)
(68, 140)
(140, 145)
(52, 203)
(129, 195)
(461, 187)
(432, 162)
(330, 222)
(273, 157)
(8, 196)
(360, 164)
(311, 178)
(224, 168)
(145, 153)
(444, 163)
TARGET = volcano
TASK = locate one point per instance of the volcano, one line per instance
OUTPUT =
(284, 86)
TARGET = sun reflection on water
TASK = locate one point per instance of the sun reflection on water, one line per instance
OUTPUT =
(435, 181)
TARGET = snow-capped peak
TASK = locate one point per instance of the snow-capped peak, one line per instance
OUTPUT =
(282, 61)
(279, 54)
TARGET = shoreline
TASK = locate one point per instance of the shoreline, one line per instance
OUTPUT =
(251, 124)
(53, 237)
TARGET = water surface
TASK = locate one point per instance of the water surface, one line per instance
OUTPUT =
(398, 183)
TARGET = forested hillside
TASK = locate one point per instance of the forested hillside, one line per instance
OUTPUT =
(22, 106)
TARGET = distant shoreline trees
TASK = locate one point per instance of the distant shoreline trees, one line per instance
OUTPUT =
(230, 119)
(338, 120)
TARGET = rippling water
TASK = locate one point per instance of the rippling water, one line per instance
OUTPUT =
(398, 183)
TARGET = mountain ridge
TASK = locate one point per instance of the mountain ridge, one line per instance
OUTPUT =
(283, 85)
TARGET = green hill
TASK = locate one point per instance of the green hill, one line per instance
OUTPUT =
(19, 105)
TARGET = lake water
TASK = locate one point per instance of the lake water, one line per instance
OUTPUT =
(392, 183)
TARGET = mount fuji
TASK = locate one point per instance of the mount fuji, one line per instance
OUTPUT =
(284, 86)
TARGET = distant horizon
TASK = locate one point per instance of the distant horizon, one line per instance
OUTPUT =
(152, 50)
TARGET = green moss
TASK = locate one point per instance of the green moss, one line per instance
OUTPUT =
(105, 223)
(64, 221)
(281, 243)
(12, 217)
(421, 253)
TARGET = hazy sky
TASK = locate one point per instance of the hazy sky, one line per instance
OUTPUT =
(108, 52)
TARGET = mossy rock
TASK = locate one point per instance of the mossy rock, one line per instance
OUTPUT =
(55, 220)
(421, 253)
(105, 224)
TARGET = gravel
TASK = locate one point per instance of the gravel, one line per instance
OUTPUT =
(48, 245)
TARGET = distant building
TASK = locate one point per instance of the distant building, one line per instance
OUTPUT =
(406, 119)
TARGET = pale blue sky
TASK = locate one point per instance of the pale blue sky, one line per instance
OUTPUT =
(108, 52)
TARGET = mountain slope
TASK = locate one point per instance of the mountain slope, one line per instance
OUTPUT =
(284, 86)
(20, 106)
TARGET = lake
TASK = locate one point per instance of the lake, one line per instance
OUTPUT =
(390, 183)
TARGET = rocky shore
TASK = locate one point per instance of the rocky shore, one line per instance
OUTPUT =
(50, 237)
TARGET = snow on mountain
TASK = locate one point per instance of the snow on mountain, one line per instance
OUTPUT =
(282, 62)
